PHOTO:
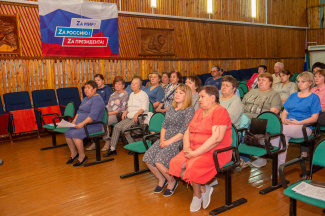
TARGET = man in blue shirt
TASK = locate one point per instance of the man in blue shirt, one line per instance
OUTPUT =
(215, 80)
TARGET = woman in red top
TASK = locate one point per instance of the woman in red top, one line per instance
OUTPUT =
(210, 129)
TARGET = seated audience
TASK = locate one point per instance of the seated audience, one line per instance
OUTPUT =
(91, 109)
(300, 108)
(319, 90)
(210, 129)
(230, 101)
(165, 76)
(129, 89)
(117, 104)
(285, 88)
(195, 84)
(149, 78)
(175, 79)
(262, 99)
(252, 82)
(155, 92)
(215, 80)
(317, 66)
(278, 67)
(138, 104)
(173, 128)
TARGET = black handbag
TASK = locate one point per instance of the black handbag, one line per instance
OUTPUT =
(257, 140)
(321, 119)
(119, 117)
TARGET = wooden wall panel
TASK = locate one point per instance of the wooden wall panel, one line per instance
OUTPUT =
(280, 12)
(317, 36)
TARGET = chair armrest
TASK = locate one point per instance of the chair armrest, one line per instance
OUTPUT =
(60, 117)
(317, 132)
(268, 143)
(289, 163)
(145, 138)
(132, 129)
(142, 116)
(92, 123)
(240, 132)
(235, 157)
(49, 114)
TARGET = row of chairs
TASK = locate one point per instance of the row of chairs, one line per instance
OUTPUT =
(20, 116)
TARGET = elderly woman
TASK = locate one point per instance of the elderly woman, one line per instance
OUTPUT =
(173, 128)
(91, 109)
(229, 100)
(195, 84)
(138, 104)
(262, 99)
(300, 108)
(117, 104)
(319, 89)
(285, 88)
(278, 67)
(155, 92)
(175, 79)
(165, 76)
(210, 129)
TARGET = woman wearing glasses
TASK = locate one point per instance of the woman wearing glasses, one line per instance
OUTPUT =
(300, 108)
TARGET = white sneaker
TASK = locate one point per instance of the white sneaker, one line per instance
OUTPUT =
(195, 204)
(259, 162)
(92, 147)
(206, 197)
(214, 183)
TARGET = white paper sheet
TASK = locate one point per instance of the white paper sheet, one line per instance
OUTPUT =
(310, 190)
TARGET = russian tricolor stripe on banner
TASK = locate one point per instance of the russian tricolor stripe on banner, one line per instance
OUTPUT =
(78, 28)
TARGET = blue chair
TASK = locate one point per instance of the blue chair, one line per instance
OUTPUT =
(245, 74)
(45, 102)
(318, 160)
(144, 82)
(184, 78)
(226, 170)
(235, 74)
(127, 84)
(205, 77)
(200, 77)
(18, 104)
(66, 95)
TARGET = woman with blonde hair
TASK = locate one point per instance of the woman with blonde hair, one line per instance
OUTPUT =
(173, 128)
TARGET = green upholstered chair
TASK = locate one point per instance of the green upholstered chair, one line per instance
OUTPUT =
(244, 87)
(318, 159)
(309, 141)
(274, 127)
(96, 137)
(226, 170)
(69, 113)
(241, 92)
(243, 81)
(142, 146)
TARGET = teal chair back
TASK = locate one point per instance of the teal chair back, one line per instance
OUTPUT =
(150, 107)
(69, 110)
(244, 121)
(244, 87)
(156, 121)
(234, 136)
(104, 119)
(319, 154)
(274, 124)
(241, 92)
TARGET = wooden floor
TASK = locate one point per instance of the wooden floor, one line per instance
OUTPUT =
(34, 182)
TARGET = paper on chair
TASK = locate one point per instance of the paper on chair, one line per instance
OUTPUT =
(64, 124)
(310, 190)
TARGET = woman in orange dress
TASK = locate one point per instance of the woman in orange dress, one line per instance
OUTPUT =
(210, 129)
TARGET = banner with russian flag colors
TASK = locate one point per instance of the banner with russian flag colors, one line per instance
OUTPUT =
(78, 28)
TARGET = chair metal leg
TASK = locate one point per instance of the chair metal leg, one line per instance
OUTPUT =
(98, 156)
(293, 207)
(275, 184)
(136, 167)
(229, 204)
(53, 142)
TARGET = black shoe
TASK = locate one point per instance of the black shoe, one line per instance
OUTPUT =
(78, 163)
(109, 153)
(71, 160)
